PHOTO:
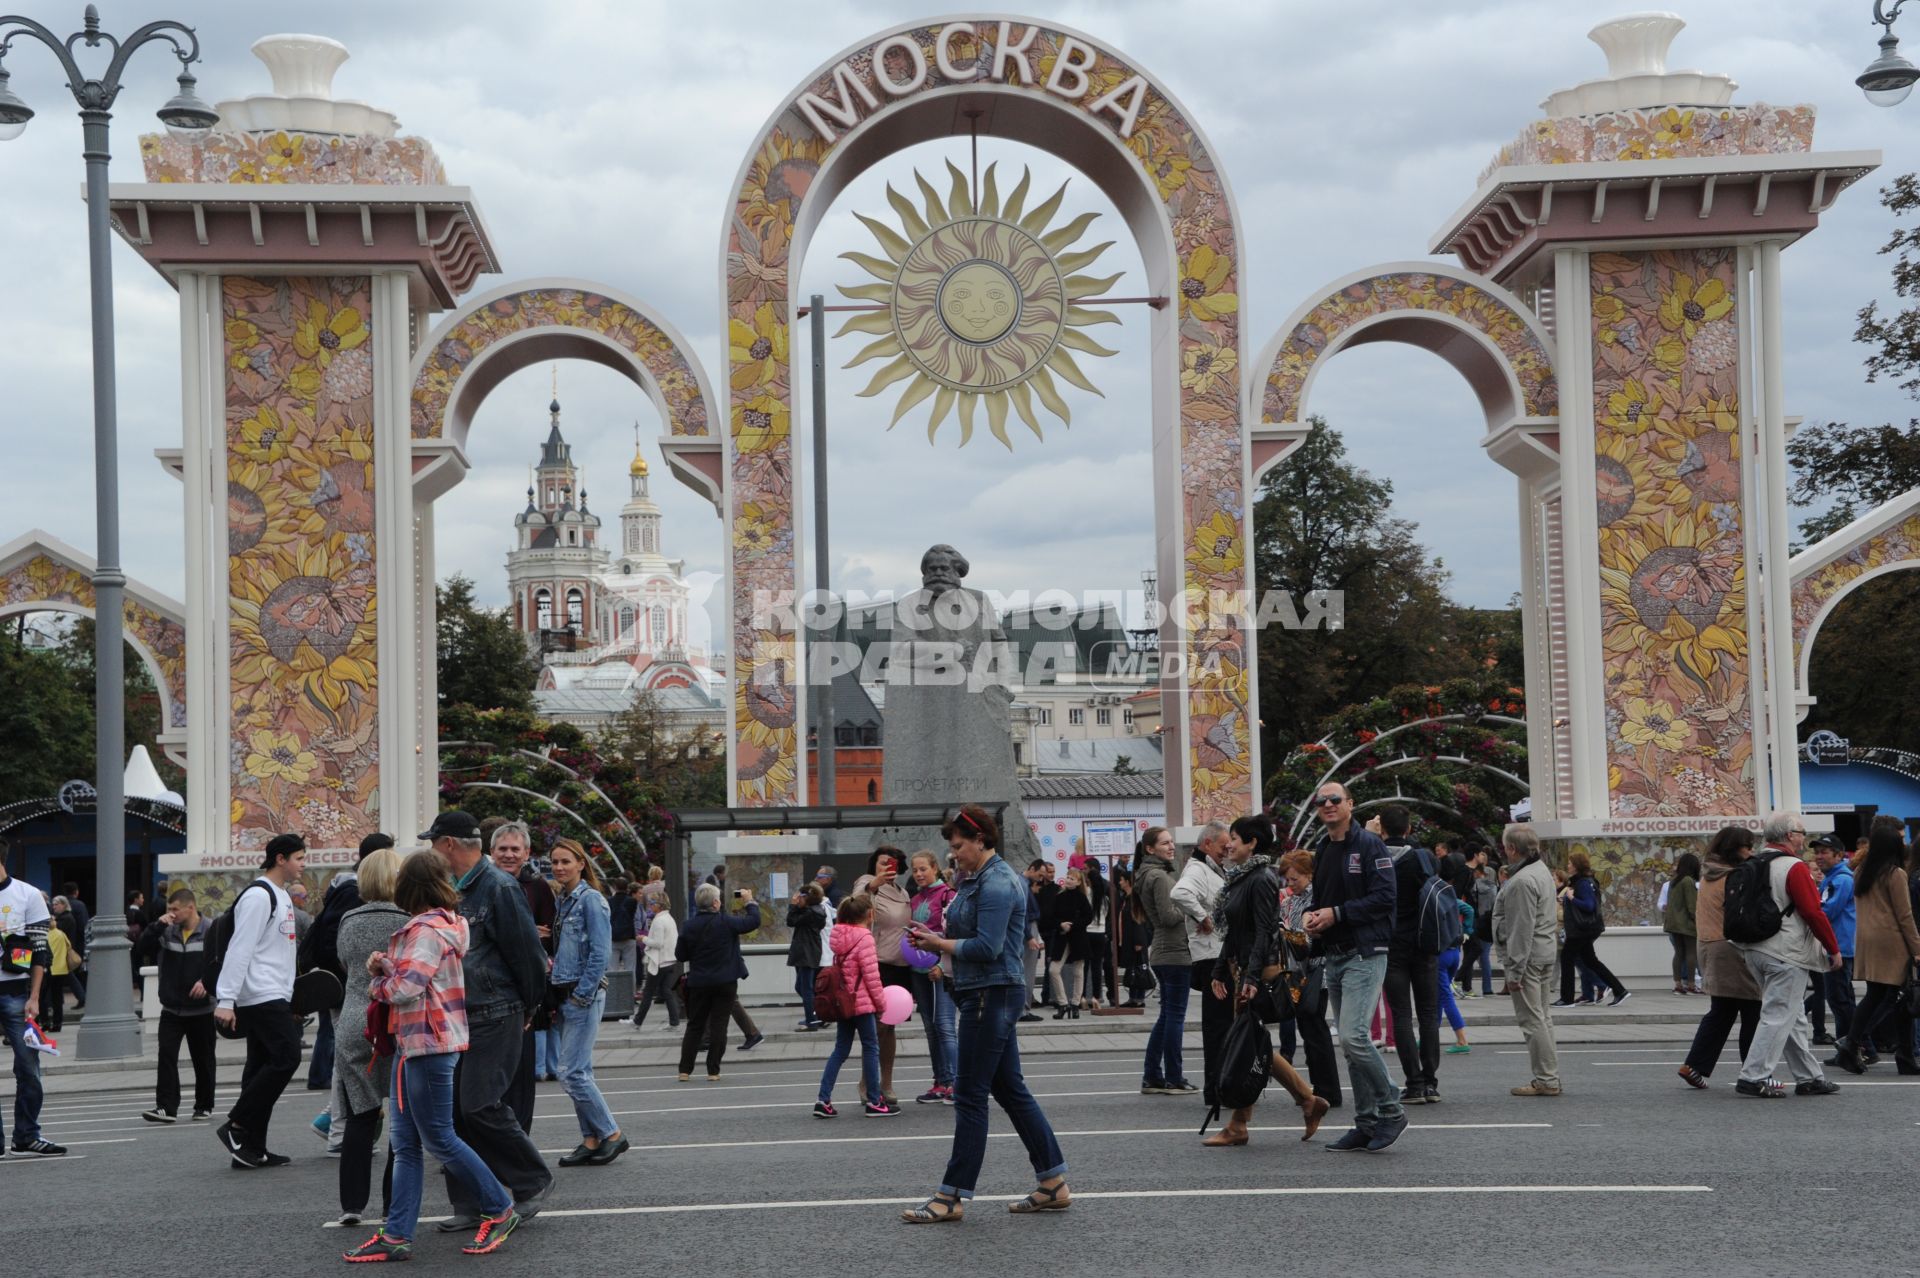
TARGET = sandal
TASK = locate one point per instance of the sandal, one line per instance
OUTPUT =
(925, 1214)
(1042, 1199)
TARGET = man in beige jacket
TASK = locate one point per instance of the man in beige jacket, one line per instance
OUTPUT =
(1524, 930)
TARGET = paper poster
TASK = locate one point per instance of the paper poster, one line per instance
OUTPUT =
(777, 889)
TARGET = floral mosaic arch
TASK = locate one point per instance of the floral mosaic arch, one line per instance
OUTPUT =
(1037, 84)
(1885, 540)
(498, 333)
(1481, 329)
(40, 573)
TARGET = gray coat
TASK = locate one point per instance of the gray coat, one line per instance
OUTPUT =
(362, 931)
(1525, 926)
(1154, 886)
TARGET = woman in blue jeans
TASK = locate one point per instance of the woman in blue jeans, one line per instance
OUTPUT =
(986, 932)
(1165, 1072)
(583, 945)
(931, 991)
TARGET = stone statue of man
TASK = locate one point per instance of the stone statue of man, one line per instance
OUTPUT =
(948, 735)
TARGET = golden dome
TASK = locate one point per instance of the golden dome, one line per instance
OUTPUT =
(639, 467)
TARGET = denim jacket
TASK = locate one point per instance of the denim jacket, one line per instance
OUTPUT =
(506, 969)
(583, 941)
(988, 917)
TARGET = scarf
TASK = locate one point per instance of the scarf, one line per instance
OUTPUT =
(1258, 861)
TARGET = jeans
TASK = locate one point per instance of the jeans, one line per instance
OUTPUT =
(622, 956)
(1030, 964)
(1531, 982)
(1216, 1017)
(53, 1002)
(803, 979)
(1099, 965)
(1475, 951)
(1323, 1069)
(26, 1067)
(483, 1118)
(1832, 990)
(273, 1057)
(320, 1068)
(423, 1089)
(574, 1031)
(989, 1056)
(1686, 959)
(544, 1057)
(198, 1032)
(1353, 986)
(867, 1025)
(1711, 1038)
(1580, 953)
(1449, 965)
(664, 985)
(1784, 1035)
(935, 1001)
(1163, 1045)
(708, 1007)
(356, 1164)
(1413, 996)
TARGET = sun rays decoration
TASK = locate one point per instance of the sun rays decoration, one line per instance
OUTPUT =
(982, 305)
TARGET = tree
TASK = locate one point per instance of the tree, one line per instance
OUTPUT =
(1322, 523)
(483, 661)
(145, 713)
(1859, 468)
(46, 723)
(1866, 690)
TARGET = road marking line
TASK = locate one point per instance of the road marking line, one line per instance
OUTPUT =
(947, 1136)
(1285, 1191)
(21, 1160)
(124, 1140)
(767, 1087)
(728, 1108)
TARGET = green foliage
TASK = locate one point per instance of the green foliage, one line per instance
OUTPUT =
(46, 722)
(1862, 670)
(1857, 469)
(1322, 523)
(482, 660)
(1448, 799)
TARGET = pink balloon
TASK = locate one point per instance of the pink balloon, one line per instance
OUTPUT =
(918, 959)
(898, 1009)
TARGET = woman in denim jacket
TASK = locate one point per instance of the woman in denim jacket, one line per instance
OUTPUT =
(583, 945)
(986, 929)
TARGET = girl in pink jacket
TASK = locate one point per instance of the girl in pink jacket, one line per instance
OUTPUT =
(856, 963)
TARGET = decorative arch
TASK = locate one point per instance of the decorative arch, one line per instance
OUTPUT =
(1069, 94)
(497, 334)
(1883, 541)
(1482, 330)
(41, 573)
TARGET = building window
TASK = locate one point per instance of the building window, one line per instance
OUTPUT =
(869, 735)
(1126, 716)
(1076, 717)
(843, 735)
(575, 609)
(633, 538)
(543, 609)
(1043, 716)
(1016, 754)
(646, 539)
(1103, 717)
(626, 623)
(659, 627)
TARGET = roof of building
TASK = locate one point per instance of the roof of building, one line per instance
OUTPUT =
(1096, 757)
(1111, 785)
(598, 699)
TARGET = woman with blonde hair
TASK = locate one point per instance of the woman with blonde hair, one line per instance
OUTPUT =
(576, 990)
(360, 1088)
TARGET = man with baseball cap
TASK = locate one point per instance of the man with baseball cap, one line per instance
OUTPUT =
(1833, 988)
(506, 977)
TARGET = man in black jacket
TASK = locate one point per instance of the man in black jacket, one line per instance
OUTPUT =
(1413, 975)
(506, 977)
(1352, 922)
(177, 941)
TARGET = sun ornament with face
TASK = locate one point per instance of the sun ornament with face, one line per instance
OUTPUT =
(982, 305)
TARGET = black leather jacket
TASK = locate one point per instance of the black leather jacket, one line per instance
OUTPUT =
(506, 966)
(1253, 925)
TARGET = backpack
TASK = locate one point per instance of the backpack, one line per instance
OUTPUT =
(1246, 1063)
(220, 936)
(1752, 915)
(832, 1000)
(1439, 927)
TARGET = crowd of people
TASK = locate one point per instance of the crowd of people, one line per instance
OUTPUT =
(466, 971)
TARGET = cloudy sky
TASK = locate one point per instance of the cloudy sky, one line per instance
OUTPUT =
(601, 141)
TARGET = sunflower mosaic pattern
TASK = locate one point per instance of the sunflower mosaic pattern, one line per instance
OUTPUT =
(326, 159)
(1899, 544)
(1661, 133)
(1386, 294)
(1673, 588)
(1194, 196)
(305, 751)
(558, 308)
(62, 587)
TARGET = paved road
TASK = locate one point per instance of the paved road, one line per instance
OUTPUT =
(1630, 1173)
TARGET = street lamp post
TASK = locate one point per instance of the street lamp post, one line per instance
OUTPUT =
(110, 1028)
(1889, 78)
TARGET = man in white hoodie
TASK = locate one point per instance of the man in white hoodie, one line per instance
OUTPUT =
(1196, 893)
(254, 993)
